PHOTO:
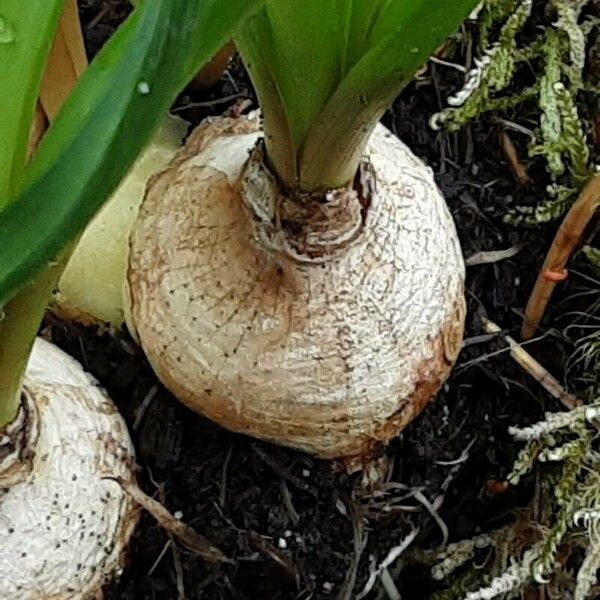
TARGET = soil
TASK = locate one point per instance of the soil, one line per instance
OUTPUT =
(293, 526)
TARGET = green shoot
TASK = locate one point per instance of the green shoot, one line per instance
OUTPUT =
(325, 71)
(18, 328)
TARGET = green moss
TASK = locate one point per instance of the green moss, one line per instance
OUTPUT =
(534, 552)
(556, 48)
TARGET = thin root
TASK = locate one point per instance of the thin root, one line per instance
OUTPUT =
(184, 533)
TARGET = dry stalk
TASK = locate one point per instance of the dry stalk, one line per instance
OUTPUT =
(213, 71)
(567, 238)
(533, 368)
(516, 166)
(39, 124)
(65, 64)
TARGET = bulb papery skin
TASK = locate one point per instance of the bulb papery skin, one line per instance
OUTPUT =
(64, 520)
(325, 323)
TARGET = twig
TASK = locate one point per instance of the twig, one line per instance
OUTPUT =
(99, 16)
(533, 368)
(184, 533)
(158, 558)
(568, 236)
(178, 570)
(175, 552)
(207, 103)
(479, 359)
(516, 166)
(287, 501)
(514, 126)
(273, 553)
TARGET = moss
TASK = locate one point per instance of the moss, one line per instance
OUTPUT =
(570, 498)
(559, 47)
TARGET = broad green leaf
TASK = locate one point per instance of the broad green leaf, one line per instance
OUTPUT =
(293, 53)
(361, 20)
(104, 124)
(410, 32)
(325, 70)
(26, 33)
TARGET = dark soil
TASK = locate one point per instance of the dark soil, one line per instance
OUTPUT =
(232, 488)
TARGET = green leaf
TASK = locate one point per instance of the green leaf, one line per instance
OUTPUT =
(104, 124)
(403, 37)
(255, 42)
(284, 47)
(26, 33)
(333, 67)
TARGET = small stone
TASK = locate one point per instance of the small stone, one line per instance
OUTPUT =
(282, 543)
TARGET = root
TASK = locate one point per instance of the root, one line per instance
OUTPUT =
(184, 533)
(568, 236)
(392, 556)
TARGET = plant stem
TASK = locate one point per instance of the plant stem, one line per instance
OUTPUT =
(23, 314)
(567, 237)
(22, 317)
(326, 70)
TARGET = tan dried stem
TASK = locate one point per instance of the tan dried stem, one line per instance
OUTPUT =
(65, 64)
(213, 70)
(566, 240)
(516, 166)
(534, 368)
